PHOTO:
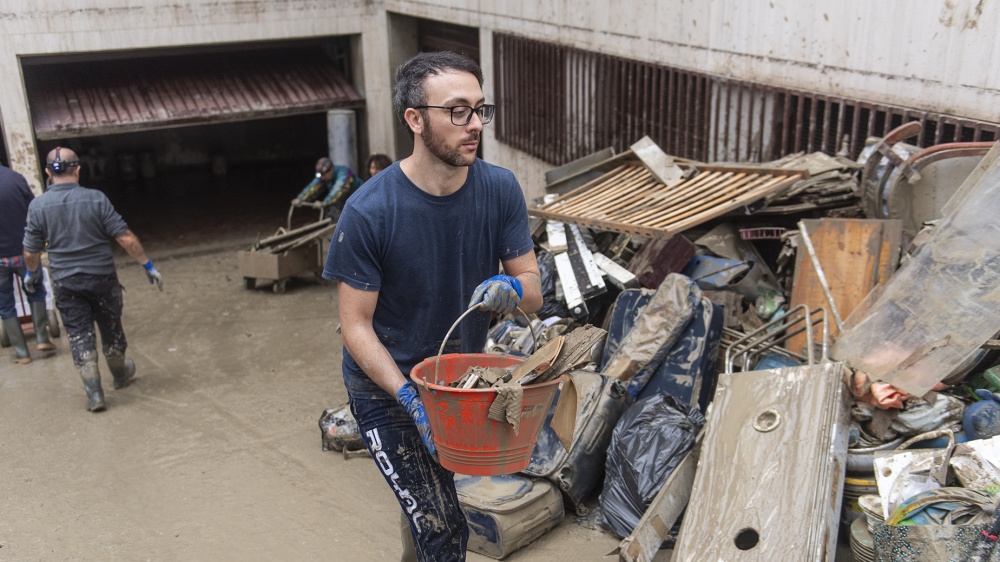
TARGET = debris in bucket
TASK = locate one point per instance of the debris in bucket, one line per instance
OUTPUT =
(481, 377)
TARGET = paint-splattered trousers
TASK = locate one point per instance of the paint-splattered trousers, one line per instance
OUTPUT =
(425, 490)
(84, 300)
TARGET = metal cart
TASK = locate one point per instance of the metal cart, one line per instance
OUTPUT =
(287, 254)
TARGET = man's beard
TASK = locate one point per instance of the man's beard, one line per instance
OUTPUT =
(449, 155)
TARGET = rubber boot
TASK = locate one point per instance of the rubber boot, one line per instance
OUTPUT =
(12, 327)
(92, 382)
(121, 369)
(40, 317)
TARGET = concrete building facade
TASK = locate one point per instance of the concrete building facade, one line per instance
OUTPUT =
(930, 55)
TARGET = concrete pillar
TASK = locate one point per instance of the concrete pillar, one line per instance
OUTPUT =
(341, 130)
(17, 130)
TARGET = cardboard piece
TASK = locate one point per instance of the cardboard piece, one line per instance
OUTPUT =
(564, 419)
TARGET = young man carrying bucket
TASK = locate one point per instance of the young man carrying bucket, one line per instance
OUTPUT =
(411, 252)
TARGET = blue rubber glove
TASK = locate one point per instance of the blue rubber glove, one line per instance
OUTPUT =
(500, 293)
(410, 401)
(31, 279)
(153, 275)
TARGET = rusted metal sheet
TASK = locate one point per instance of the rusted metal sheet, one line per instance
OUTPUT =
(630, 200)
(68, 104)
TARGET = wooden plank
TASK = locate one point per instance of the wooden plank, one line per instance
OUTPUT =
(712, 202)
(855, 255)
(630, 200)
(683, 192)
(620, 187)
(595, 190)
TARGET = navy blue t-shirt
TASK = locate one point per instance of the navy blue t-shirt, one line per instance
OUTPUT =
(426, 254)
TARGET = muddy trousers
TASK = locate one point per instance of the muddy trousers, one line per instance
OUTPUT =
(84, 300)
(425, 490)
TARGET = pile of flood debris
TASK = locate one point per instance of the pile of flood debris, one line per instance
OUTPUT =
(791, 352)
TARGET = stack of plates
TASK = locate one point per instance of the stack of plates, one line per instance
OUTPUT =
(856, 486)
(862, 543)
(871, 505)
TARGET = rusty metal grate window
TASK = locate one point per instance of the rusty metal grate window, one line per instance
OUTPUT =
(560, 103)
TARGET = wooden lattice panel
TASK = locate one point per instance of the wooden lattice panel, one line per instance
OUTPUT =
(630, 200)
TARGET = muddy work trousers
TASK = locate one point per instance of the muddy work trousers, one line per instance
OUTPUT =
(84, 300)
(425, 490)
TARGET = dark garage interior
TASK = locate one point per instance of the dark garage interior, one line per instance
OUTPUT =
(195, 148)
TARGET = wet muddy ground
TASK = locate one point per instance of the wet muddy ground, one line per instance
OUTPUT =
(214, 452)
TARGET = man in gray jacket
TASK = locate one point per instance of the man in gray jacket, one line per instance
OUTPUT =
(75, 225)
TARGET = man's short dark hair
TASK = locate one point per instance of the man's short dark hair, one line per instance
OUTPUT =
(409, 88)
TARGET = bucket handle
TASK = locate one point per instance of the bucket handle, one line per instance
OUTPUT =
(478, 306)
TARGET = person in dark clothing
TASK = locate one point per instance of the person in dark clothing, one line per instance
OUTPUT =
(410, 254)
(15, 195)
(75, 225)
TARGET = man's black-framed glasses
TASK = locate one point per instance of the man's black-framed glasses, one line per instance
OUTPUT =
(462, 114)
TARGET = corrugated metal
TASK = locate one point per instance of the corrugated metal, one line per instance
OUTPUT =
(630, 200)
(67, 102)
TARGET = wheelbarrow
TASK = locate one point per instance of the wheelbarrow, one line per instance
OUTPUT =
(24, 309)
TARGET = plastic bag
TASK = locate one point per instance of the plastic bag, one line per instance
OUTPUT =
(339, 430)
(650, 440)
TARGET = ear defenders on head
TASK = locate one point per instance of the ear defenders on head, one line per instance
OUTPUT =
(59, 165)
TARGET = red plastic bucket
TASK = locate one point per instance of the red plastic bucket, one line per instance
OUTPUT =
(467, 441)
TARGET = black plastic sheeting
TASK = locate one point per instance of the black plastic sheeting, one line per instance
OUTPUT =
(649, 441)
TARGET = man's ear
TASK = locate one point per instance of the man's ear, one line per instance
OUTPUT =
(414, 119)
(48, 172)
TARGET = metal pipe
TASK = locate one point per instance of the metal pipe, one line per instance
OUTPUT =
(820, 275)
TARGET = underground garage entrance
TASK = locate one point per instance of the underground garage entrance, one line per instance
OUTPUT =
(195, 148)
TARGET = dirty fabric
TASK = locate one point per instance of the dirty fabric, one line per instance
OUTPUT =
(936, 411)
(84, 299)
(656, 329)
(507, 405)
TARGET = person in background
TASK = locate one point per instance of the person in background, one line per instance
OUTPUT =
(330, 188)
(376, 163)
(75, 225)
(15, 196)
(414, 248)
